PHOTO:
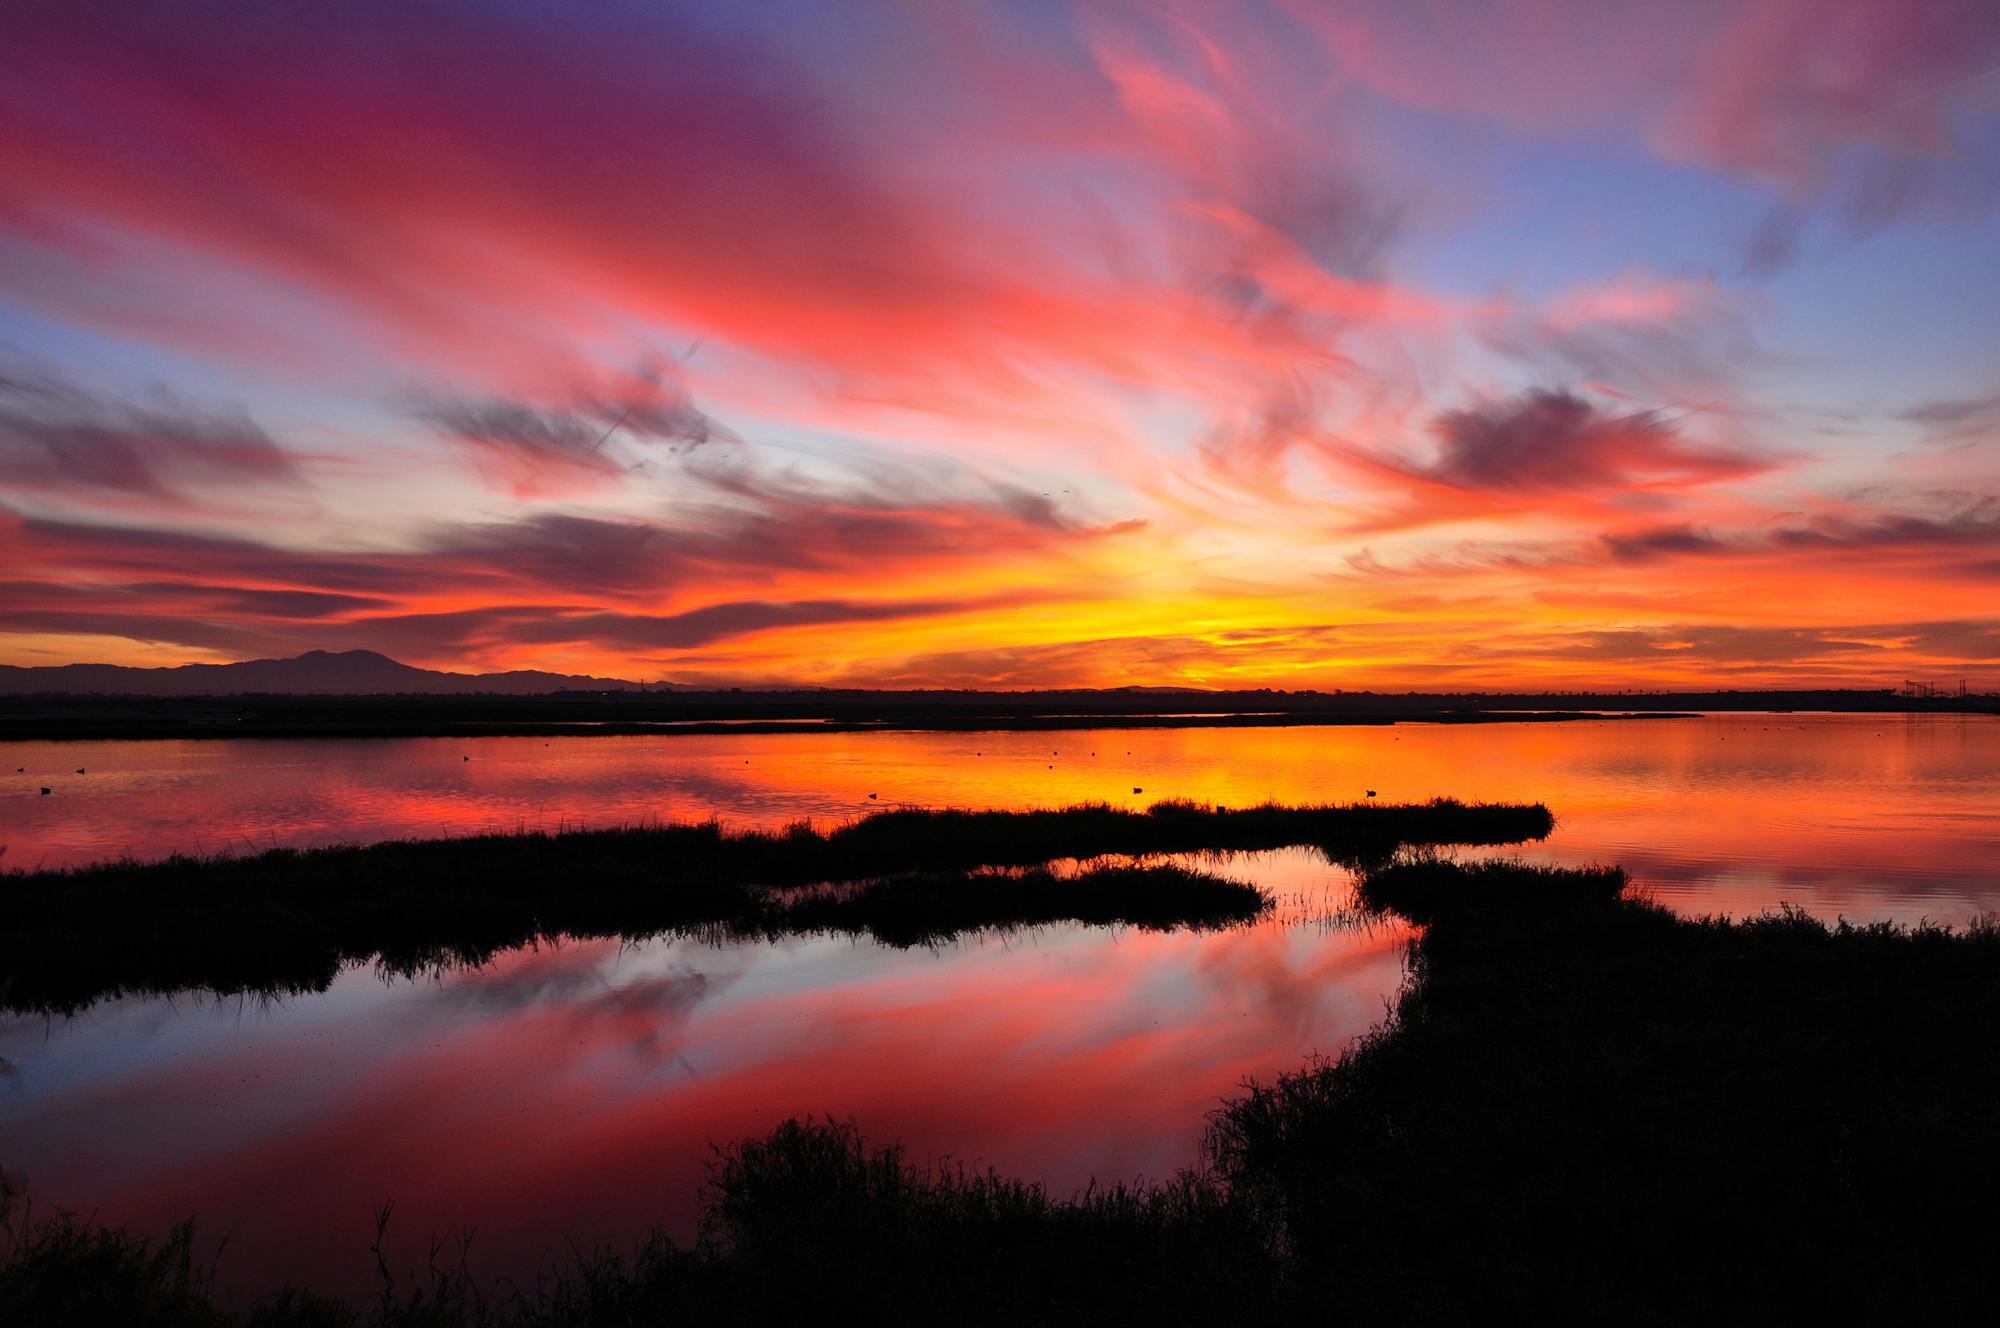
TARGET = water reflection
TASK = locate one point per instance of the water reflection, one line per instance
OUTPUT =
(571, 1091)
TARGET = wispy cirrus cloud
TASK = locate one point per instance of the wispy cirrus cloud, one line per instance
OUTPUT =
(536, 450)
(57, 439)
(1966, 422)
(1686, 342)
(1865, 110)
(1934, 540)
(1855, 105)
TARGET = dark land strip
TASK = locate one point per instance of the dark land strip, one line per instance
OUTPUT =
(79, 716)
(85, 718)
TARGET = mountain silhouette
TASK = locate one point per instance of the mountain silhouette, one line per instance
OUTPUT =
(317, 672)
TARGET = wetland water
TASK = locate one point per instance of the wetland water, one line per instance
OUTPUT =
(570, 1092)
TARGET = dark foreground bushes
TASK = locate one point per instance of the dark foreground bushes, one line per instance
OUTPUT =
(1583, 1108)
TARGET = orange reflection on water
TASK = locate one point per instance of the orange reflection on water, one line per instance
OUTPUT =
(1869, 815)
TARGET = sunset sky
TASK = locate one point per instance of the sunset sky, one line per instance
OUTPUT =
(1388, 345)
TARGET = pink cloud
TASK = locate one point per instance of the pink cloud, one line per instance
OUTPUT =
(1792, 83)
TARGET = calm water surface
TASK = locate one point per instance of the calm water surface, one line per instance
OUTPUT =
(570, 1092)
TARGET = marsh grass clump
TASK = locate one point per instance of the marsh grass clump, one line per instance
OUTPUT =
(952, 837)
(1423, 886)
(62, 1268)
(927, 909)
(289, 920)
(813, 1204)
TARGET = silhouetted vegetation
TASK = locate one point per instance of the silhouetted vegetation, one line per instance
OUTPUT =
(1423, 887)
(1588, 1108)
(62, 1269)
(1583, 1108)
(925, 909)
(807, 1222)
(289, 920)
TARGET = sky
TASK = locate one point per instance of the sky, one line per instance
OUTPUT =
(1350, 345)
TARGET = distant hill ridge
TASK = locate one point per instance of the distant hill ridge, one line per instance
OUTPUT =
(317, 672)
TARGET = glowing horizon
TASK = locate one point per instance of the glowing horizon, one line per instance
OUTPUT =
(1362, 345)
